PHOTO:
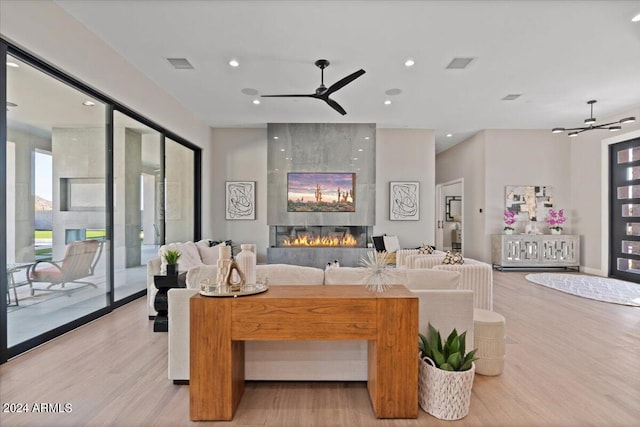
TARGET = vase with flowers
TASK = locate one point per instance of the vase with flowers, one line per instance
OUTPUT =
(555, 221)
(509, 220)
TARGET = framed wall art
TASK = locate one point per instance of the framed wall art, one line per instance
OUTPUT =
(240, 200)
(404, 201)
(529, 202)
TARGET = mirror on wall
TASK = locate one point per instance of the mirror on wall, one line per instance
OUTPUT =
(453, 208)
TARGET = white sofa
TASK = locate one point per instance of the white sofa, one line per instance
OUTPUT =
(475, 275)
(440, 302)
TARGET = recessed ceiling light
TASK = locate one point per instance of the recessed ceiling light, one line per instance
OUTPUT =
(234, 63)
(89, 103)
(636, 18)
(459, 63)
(409, 63)
(387, 102)
(449, 135)
(366, 137)
(355, 158)
(275, 137)
(256, 101)
(360, 149)
(12, 64)
(282, 149)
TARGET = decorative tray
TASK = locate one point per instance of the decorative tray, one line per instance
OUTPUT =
(223, 291)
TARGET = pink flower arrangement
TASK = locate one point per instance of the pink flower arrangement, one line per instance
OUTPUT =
(555, 219)
(509, 219)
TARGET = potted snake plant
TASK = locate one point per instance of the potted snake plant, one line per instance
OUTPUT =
(446, 375)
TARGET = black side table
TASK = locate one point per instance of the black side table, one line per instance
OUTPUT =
(161, 302)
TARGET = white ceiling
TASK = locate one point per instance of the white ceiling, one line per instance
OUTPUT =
(557, 54)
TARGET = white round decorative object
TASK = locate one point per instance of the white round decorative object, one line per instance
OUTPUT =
(246, 261)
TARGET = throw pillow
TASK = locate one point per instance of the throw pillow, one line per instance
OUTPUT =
(426, 249)
(378, 243)
(391, 244)
(453, 258)
(210, 254)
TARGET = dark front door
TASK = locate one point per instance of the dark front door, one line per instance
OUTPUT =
(624, 210)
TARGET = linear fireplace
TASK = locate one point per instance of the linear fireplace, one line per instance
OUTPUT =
(315, 246)
(351, 236)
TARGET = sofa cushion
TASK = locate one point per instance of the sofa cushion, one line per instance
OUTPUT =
(189, 256)
(345, 276)
(285, 274)
(427, 278)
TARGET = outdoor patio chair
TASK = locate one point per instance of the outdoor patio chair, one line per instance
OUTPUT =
(79, 262)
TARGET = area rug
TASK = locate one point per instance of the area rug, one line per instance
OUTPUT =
(593, 287)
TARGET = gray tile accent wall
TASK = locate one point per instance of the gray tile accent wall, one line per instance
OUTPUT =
(321, 147)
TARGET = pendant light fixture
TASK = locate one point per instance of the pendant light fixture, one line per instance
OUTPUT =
(590, 124)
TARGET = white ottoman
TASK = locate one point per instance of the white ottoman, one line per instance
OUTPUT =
(489, 339)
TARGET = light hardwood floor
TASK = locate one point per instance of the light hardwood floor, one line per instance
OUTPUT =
(570, 362)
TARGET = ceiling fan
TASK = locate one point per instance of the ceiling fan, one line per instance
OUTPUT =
(323, 92)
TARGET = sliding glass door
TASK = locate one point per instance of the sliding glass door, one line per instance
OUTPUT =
(56, 174)
(138, 202)
(90, 190)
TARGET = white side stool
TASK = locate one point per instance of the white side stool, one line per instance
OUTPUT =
(489, 338)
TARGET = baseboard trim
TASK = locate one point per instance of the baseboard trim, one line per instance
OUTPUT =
(594, 272)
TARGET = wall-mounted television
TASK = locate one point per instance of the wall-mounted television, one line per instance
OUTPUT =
(321, 192)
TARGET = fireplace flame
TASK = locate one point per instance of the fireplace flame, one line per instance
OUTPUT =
(309, 240)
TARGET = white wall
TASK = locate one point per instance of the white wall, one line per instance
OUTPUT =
(467, 160)
(406, 155)
(238, 155)
(525, 157)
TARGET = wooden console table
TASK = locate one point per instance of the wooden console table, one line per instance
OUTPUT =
(388, 320)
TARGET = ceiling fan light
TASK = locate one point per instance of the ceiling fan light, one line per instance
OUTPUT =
(590, 121)
(572, 134)
(628, 120)
(614, 128)
(557, 130)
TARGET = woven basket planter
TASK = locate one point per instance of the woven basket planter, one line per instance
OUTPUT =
(444, 394)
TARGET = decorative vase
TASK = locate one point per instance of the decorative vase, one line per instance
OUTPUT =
(172, 269)
(556, 231)
(246, 261)
(444, 394)
(508, 231)
(235, 279)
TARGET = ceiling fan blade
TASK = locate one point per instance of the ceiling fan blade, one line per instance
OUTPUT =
(289, 96)
(335, 105)
(342, 83)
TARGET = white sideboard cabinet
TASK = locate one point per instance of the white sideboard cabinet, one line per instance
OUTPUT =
(535, 251)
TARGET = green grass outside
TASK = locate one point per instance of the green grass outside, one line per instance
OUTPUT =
(91, 234)
(43, 234)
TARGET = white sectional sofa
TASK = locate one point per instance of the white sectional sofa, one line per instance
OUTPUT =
(440, 302)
